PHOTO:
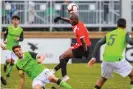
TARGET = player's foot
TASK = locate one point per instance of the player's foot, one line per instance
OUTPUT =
(5, 68)
(53, 87)
(53, 71)
(65, 78)
(3, 81)
(8, 75)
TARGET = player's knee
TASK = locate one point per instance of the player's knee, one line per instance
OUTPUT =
(12, 61)
(103, 78)
(8, 60)
(52, 78)
(63, 56)
(38, 86)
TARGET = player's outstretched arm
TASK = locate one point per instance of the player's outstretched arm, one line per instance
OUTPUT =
(5, 36)
(129, 40)
(40, 59)
(61, 18)
(22, 79)
(3, 47)
(96, 49)
(84, 46)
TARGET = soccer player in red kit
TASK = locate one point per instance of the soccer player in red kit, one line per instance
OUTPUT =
(80, 49)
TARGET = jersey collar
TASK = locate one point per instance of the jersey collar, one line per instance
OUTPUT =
(15, 28)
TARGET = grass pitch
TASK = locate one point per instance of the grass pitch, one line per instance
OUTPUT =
(81, 77)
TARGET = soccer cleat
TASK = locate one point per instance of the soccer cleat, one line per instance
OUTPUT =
(53, 87)
(3, 81)
(8, 75)
(5, 68)
(65, 78)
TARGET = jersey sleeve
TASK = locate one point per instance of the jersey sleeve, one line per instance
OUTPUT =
(81, 31)
(5, 34)
(21, 37)
(33, 54)
(129, 39)
(98, 45)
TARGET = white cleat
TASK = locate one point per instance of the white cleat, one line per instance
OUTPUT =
(65, 78)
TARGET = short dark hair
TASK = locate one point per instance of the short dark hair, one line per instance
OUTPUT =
(16, 46)
(121, 23)
(16, 17)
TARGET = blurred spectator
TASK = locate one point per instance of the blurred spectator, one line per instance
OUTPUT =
(11, 10)
(4, 14)
(32, 12)
(106, 11)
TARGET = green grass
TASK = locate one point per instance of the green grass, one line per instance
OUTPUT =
(81, 77)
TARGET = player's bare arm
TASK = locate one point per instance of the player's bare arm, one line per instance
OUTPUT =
(3, 47)
(22, 79)
(40, 58)
(84, 46)
(5, 36)
(96, 49)
(129, 39)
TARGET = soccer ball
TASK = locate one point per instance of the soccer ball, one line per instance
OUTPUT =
(72, 7)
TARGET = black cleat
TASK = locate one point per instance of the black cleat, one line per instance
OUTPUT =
(5, 68)
(3, 81)
(8, 75)
(53, 87)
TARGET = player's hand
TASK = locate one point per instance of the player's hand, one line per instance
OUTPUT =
(56, 19)
(5, 42)
(3, 47)
(17, 38)
(91, 62)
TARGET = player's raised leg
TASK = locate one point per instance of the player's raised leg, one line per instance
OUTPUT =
(64, 58)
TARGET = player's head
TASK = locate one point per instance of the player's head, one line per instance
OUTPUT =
(15, 20)
(18, 51)
(73, 19)
(121, 23)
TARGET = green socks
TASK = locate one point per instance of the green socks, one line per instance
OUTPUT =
(131, 86)
(10, 69)
(65, 85)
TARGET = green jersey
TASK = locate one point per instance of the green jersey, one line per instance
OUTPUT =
(115, 45)
(29, 65)
(12, 35)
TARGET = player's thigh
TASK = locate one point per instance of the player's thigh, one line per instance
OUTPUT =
(78, 52)
(123, 68)
(106, 70)
(13, 57)
(37, 84)
(67, 54)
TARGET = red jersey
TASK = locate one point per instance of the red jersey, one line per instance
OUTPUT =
(81, 31)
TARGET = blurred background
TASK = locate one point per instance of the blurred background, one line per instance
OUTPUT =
(98, 15)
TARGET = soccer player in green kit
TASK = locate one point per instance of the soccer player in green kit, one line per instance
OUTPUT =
(28, 62)
(113, 61)
(13, 34)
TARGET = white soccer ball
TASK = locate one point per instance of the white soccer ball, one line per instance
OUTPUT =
(72, 7)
